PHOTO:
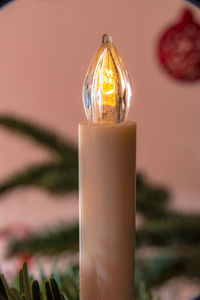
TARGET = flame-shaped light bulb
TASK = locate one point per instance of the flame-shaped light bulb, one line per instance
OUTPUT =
(107, 92)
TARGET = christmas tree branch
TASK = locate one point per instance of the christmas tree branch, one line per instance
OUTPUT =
(39, 134)
(151, 200)
(156, 271)
(58, 287)
(29, 289)
(179, 231)
(54, 176)
(174, 230)
(65, 238)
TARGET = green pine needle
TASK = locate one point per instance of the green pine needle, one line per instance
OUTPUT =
(30, 290)
(55, 176)
(174, 230)
(65, 238)
(39, 134)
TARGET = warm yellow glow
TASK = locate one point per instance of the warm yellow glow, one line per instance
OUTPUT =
(107, 90)
(107, 84)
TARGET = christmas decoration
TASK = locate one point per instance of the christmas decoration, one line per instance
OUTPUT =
(179, 49)
(107, 172)
(174, 236)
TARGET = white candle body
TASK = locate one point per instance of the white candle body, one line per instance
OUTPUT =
(107, 167)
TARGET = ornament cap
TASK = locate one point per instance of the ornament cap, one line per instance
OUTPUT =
(187, 16)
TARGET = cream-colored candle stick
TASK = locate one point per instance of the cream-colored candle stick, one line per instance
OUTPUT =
(107, 151)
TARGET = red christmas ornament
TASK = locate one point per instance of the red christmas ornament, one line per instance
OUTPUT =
(179, 49)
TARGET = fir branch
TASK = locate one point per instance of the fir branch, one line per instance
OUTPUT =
(155, 271)
(152, 201)
(179, 231)
(149, 273)
(39, 134)
(60, 177)
(174, 230)
(55, 176)
(65, 238)
(142, 293)
(70, 282)
(29, 289)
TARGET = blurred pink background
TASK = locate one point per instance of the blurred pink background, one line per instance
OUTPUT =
(46, 47)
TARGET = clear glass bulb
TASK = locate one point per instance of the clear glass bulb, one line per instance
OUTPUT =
(107, 92)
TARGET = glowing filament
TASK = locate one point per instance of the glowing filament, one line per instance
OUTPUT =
(107, 90)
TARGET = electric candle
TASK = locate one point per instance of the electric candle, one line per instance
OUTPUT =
(107, 167)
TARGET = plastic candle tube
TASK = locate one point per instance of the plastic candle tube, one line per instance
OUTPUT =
(107, 171)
